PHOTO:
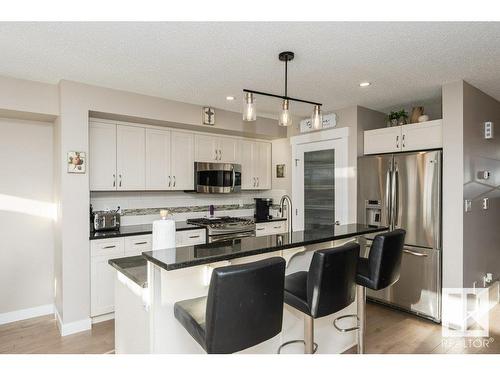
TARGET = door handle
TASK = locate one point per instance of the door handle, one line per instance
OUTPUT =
(220, 154)
(174, 181)
(397, 141)
(388, 197)
(254, 181)
(141, 243)
(260, 228)
(169, 181)
(417, 254)
(109, 247)
(396, 197)
(216, 154)
(258, 182)
(120, 183)
(234, 178)
(114, 180)
(198, 236)
(403, 141)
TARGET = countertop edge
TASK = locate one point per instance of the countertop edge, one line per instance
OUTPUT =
(112, 263)
(221, 258)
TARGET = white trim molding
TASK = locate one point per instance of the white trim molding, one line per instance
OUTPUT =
(32, 312)
(66, 329)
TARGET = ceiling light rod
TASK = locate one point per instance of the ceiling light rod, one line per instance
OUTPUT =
(281, 97)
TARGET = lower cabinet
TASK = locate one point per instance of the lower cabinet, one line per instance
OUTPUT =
(273, 227)
(102, 275)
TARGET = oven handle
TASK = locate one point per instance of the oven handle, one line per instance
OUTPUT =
(234, 178)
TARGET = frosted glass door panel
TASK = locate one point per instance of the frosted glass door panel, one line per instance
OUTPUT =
(319, 187)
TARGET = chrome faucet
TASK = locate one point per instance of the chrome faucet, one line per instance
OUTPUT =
(289, 211)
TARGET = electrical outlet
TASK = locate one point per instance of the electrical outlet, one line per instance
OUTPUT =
(483, 175)
(468, 205)
(488, 130)
(486, 203)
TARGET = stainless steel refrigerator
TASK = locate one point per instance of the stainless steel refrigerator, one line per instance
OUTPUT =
(404, 191)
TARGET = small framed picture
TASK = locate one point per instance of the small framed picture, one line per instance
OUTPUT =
(280, 170)
(77, 162)
(208, 116)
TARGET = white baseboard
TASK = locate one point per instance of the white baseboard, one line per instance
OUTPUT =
(66, 329)
(32, 312)
(103, 318)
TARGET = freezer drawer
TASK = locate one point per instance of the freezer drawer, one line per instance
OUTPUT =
(419, 286)
(418, 289)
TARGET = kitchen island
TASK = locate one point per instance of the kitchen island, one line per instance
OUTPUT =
(144, 317)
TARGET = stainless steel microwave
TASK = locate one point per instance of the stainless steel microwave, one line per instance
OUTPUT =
(217, 177)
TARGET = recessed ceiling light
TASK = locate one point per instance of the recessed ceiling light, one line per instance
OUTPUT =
(229, 98)
(364, 84)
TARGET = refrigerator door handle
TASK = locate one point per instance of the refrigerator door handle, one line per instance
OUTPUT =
(388, 197)
(395, 199)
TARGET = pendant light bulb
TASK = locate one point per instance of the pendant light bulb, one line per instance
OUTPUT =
(285, 117)
(317, 118)
(249, 110)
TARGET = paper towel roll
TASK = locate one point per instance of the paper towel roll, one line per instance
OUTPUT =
(163, 234)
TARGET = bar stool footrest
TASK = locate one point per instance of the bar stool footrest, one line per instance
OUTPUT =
(315, 348)
(349, 329)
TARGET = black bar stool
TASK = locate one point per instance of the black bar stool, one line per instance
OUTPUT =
(328, 287)
(380, 270)
(244, 307)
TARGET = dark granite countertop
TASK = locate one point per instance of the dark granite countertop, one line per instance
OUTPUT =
(137, 230)
(135, 268)
(189, 256)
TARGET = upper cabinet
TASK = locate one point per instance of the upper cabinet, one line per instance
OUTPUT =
(116, 157)
(169, 160)
(255, 165)
(411, 137)
(102, 156)
(130, 158)
(138, 158)
(211, 148)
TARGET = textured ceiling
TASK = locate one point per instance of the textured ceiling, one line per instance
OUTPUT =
(202, 63)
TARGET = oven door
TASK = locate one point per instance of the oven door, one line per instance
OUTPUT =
(217, 177)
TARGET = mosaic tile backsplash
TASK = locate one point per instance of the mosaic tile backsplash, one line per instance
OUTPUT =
(144, 207)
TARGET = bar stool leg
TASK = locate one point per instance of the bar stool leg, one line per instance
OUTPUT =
(361, 304)
(309, 334)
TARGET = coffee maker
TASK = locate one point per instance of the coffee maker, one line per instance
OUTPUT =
(262, 206)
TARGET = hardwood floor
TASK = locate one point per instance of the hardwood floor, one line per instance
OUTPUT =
(41, 335)
(388, 331)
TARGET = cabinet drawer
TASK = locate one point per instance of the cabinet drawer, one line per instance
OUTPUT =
(190, 237)
(136, 245)
(265, 229)
(107, 247)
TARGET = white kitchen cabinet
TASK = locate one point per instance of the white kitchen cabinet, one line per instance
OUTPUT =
(130, 157)
(379, 141)
(102, 156)
(272, 227)
(216, 149)
(255, 165)
(169, 160)
(422, 136)
(182, 160)
(412, 137)
(102, 274)
(158, 151)
(190, 237)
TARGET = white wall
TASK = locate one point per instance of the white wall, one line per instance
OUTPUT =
(26, 214)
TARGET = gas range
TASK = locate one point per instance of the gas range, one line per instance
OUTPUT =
(225, 227)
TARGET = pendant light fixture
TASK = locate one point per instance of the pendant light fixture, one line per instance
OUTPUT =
(249, 112)
(285, 118)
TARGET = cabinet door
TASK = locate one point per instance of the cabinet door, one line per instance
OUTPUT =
(263, 165)
(190, 237)
(206, 148)
(102, 286)
(182, 161)
(158, 173)
(247, 157)
(102, 156)
(228, 150)
(131, 155)
(384, 140)
(422, 136)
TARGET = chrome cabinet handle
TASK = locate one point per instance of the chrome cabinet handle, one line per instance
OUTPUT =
(120, 183)
(198, 236)
(278, 227)
(169, 181)
(414, 253)
(216, 154)
(397, 141)
(258, 182)
(403, 141)
(220, 154)
(261, 228)
(174, 181)
(109, 247)
(114, 180)
(141, 243)
(254, 181)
